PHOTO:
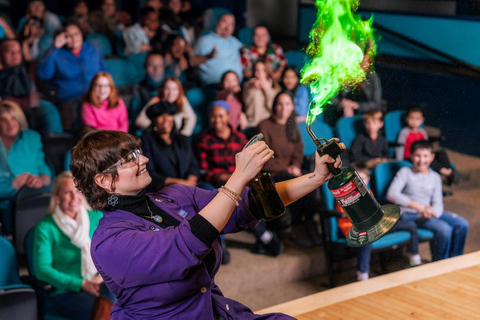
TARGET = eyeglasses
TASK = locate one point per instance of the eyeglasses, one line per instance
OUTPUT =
(132, 156)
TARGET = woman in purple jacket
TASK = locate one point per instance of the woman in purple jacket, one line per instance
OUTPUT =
(158, 253)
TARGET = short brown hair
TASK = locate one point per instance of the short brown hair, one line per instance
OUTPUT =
(91, 97)
(373, 114)
(97, 151)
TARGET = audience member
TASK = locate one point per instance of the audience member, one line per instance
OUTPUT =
(6, 30)
(258, 94)
(290, 81)
(359, 99)
(262, 49)
(371, 146)
(61, 253)
(36, 8)
(109, 20)
(282, 135)
(102, 107)
(21, 152)
(70, 64)
(364, 253)
(230, 91)
(170, 154)
(413, 132)
(30, 36)
(217, 149)
(148, 88)
(224, 49)
(418, 192)
(81, 13)
(137, 37)
(172, 91)
(173, 23)
(16, 85)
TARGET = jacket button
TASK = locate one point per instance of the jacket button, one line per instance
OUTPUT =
(203, 290)
(158, 200)
(227, 307)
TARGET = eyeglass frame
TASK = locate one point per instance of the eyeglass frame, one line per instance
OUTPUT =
(124, 160)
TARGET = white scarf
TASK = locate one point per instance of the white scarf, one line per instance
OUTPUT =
(78, 231)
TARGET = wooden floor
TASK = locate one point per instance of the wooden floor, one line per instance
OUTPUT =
(448, 289)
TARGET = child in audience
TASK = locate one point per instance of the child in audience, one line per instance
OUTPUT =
(364, 253)
(415, 117)
(231, 92)
(301, 97)
(418, 192)
(102, 107)
(371, 146)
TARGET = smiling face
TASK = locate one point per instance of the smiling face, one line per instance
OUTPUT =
(230, 81)
(37, 9)
(178, 47)
(283, 108)
(225, 26)
(164, 123)
(9, 126)
(132, 177)
(261, 37)
(171, 92)
(74, 37)
(69, 199)
(373, 125)
(175, 6)
(219, 118)
(290, 79)
(422, 159)
(102, 89)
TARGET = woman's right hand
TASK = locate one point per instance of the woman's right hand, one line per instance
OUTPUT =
(60, 40)
(20, 180)
(92, 287)
(250, 161)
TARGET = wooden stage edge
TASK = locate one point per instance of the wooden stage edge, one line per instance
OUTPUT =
(353, 290)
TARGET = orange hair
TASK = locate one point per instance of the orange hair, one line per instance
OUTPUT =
(181, 94)
(91, 97)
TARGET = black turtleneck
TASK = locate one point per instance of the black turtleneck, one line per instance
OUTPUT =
(200, 227)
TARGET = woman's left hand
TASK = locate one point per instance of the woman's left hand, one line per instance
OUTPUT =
(34, 182)
(321, 169)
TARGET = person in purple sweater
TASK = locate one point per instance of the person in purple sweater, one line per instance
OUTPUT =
(159, 252)
(418, 192)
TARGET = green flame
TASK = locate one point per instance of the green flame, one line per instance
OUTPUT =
(339, 39)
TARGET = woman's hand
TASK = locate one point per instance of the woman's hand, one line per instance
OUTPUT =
(34, 182)
(20, 180)
(91, 287)
(60, 40)
(321, 170)
(250, 161)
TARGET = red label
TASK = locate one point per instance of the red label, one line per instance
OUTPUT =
(343, 191)
(362, 233)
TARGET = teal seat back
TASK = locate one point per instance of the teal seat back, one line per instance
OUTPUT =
(101, 42)
(383, 175)
(320, 129)
(9, 266)
(348, 128)
(296, 58)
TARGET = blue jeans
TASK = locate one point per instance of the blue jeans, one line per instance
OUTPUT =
(75, 305)
(450, 232)
(364, 253)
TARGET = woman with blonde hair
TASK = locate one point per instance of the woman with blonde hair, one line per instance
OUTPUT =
(22, 161)
(171, 91)
(102, 107)
(61, 253)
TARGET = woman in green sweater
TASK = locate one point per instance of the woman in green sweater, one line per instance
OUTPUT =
(61, 253)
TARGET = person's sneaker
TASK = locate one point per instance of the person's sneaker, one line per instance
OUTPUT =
(259, 248)
(274, 247)
(312, 229)
(362, 276)
(300, 236)
(415, 260)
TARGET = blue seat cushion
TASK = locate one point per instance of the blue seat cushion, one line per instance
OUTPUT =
(424, 234)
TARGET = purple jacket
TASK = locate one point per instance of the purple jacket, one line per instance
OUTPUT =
(158, 273)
